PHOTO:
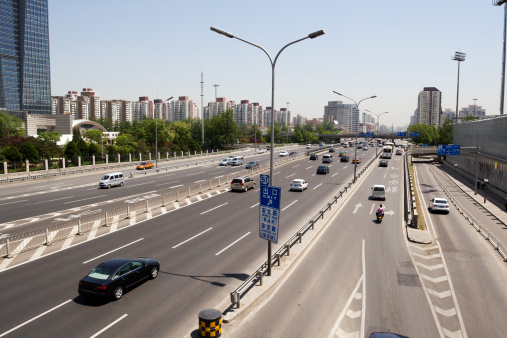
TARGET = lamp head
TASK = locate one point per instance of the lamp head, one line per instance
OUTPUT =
(219, 31)
(316, 34)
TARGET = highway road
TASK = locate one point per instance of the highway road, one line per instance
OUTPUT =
(206, 249)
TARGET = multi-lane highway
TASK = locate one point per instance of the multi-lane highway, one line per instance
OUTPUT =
(355, 278)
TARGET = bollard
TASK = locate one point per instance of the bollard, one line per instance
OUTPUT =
(235, 298)
(312, 222)
(48, 243)
(8, 248)
(259, 275)
(287, 247)
(277, 256)
(105, 219)
(128, 212)
(147, 207)
(188, 191)
(300, 235)
(210, 323)
(79, 227)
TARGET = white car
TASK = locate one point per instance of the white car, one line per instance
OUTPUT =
(284, 153)
(439, 204)
(261, 150)
(224, 161)
(308, 146)
(298, 184)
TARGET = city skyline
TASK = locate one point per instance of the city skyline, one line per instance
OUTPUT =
(389, 52)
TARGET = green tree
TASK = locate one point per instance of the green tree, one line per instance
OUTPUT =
(52, 136)
(82, 147)
(12, 155)
(71, 151)
(93, 149)
(29, 152)
(427, 134)
(93, 135)
(445, 132)
(10, 126)
(76, 134)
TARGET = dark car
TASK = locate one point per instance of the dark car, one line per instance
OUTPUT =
(293, 153)
(398, 152)
(383, 163)
(113, 277)
(322, 169)
(331, 150)
(253, 165)
(314, 157)
(344, 159)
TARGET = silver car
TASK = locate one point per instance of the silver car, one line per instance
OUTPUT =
(243, 183)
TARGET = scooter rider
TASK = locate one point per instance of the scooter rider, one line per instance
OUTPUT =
(380, 211)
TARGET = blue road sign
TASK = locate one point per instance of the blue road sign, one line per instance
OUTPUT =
(269, 213)
(402, 133)
(264, 180)
(370, 134)
(449, 149)
(424, 145)
(414, 134)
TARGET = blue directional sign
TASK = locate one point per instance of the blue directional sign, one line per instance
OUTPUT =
(264, 180)
(449, 149)
(370, 134)
(402, 133)
(414, 134)
(424, 145)
(269, 213)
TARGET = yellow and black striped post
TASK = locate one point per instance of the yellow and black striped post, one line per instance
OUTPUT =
(210, 323)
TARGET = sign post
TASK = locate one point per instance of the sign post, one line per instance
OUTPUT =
(269, 213)
(449, 149)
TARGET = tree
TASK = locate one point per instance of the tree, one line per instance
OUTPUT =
(71, 150)
(76, 134)
(52, 136)
(82, 147)
(93, 135)
(445, 132)
(13, 155)
(29, 152)
(93, 149)
(427, 134)
(10, 126)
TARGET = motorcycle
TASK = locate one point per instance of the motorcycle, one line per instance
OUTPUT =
(379, 217)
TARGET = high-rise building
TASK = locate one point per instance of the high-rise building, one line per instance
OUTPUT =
(24, 56)
(429, 107)
(346, 115)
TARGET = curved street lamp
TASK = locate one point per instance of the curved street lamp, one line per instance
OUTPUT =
(378, 121)
(357, 127)
(156, 137)
(273, 63)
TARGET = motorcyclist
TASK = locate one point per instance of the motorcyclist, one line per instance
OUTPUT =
(380, 211)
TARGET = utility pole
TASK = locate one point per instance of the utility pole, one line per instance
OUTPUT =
(215, 85)
(202, 110)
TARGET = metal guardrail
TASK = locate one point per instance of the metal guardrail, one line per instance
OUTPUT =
(285, 249)
(413, 215)
(488, 235)
(29, 240)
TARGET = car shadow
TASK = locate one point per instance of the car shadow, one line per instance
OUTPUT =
(239, 276)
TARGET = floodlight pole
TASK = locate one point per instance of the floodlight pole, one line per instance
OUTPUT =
(502, 90)
(460, 57)
(273, 63)
(357, 127)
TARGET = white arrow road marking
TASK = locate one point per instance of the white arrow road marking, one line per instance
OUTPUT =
(427, 257)
(435, 280)
(444, 294)
(357, 206)
(390, 212)
(447, 313)
(451, 334)
(342, 334)
(430, 267)
(353, 314)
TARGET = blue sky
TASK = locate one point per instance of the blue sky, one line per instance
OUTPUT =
(124, 49)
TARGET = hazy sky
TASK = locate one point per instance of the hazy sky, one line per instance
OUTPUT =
(124, 49)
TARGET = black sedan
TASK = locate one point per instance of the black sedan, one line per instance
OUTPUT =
(322, 169)
(344, 159)
(314, 157)
(293, 153)
(113, 277)
(383, 163)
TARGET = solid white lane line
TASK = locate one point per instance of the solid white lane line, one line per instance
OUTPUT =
(195, 173)
(295, 166)
(310, 167)
(107, 327)
(13, 202)
(253, 206)
(219, 176)
(289, 205)
(239, 239)
(167, 183)
(221, 205)
(363, 317)
(58, 199)
(107, 253)
(84, 199)
(34, 318)
(345, 167)
(199, 234)
(317, 186)
(277, 173)
(199, 181)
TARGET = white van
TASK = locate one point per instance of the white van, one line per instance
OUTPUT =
(378, 192)
(238, 160)
(111, 180)
(328, 158)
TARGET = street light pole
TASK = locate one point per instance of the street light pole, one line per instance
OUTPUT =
(273, 63)
(355, 146)
(475, 101)
(156, 138)
(502, 90)
(378, 121)
(460, 57)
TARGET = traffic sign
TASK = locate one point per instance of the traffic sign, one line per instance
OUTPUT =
(264, 180)
(402, 133)
(414, 134)
(449, 149)
(269, 213)
(424, 145)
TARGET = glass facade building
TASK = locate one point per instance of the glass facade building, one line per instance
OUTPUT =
(24, 56)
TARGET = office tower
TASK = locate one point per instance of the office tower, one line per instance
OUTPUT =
(24, 56)
(429, 106)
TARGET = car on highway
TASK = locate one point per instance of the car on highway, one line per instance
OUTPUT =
(378, 192)
(331, 150)
(253, 165)
(345, 146)
(398, 152)
(359, 146)
(356, 160)
(342, 153)
(308, 146)
(322, 169)
(242, 183)
(383, 163)
(344, 158)
(314, 157)
(113, 277)
(298, 184)
(261, 151)
(145, 165)
(111, 180)
(224, 161)
(365, 147)
(284, 153)
(292, 153)
(439, 205)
